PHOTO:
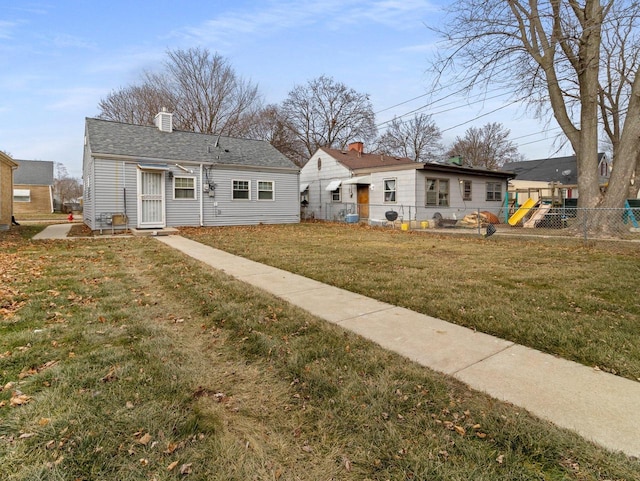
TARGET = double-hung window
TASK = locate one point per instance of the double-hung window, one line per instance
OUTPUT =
(184, 187)
(389, 190)
(265, 190)
(240, 190)
(466, 190)
(494, 191)
(437, 193)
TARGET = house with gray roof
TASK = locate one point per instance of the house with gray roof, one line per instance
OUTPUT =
(561, 170)
(33, 187)
(151, 177)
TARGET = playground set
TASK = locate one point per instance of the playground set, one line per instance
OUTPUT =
(551, 210)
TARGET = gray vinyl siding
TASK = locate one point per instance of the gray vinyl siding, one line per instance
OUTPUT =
(114, 189)
(223, 210)
(111, 181)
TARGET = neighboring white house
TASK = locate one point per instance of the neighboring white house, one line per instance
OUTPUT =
(153, 177)
(335, 183)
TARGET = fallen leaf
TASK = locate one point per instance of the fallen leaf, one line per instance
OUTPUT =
(18, 399)
(44, 421)
(172, 466)
(110, 376)
(460, 430)
(145, 439)
(129, 405)
(26, 435)
(144, 461)
(500, 459)
(185, 468)
(171, 447)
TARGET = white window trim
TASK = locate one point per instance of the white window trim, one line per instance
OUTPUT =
(195, 190)
(438, 180)
(233, 190)
(273, 190)
(464, 196)
(22, 193)
(395, 190)
(493, 191)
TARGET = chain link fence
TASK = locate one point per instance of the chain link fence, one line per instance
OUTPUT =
(542, 220)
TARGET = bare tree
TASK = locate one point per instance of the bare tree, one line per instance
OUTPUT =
(210, 97)
(136, 104)
(326, 113)
(200, 88)
(417, 139)
(488, 147)
(268, 124)
(580, 58)
(65, 188)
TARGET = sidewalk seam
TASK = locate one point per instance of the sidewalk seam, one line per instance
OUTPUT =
(479, 361)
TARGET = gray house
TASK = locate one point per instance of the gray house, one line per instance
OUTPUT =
(150, 177)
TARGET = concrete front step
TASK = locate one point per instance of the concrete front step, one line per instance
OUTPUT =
(155, 232)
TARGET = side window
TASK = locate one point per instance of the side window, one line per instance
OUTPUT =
(437, 192)
(389, 190)
(494, 191)
(240, 190)
(265, 190)
(466, 190)
(184, 188)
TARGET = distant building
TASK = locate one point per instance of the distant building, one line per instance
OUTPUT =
(7, 168)
(33, 187)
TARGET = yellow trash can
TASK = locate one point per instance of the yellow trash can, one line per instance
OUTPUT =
(404, 226)
(424, 224)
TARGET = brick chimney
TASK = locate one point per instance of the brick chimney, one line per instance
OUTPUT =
(357, 146)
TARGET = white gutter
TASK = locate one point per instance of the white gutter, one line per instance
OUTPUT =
(201, 198)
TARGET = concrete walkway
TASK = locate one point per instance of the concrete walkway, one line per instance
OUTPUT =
(599, 406)
(53, 231)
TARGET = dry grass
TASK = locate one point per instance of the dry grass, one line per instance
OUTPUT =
(138, 362)
(560, 296)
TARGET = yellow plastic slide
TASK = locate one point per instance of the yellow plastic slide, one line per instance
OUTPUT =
(522, 211)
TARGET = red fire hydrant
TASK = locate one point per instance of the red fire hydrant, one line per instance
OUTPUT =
(70, 218)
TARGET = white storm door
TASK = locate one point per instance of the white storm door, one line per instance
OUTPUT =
(151, 199)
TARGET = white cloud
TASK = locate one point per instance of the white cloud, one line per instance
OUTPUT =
(231, 26)
(65, 41)
(7, 28)
(81, 99)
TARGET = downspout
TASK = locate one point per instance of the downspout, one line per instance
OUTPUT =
(201, 198)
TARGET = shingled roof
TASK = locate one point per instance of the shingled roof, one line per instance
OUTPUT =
(33, 172)
(108, 138)
(558, 169)
(354, 159)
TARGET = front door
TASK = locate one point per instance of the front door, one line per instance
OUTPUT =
(150, 199)
(363, 201)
